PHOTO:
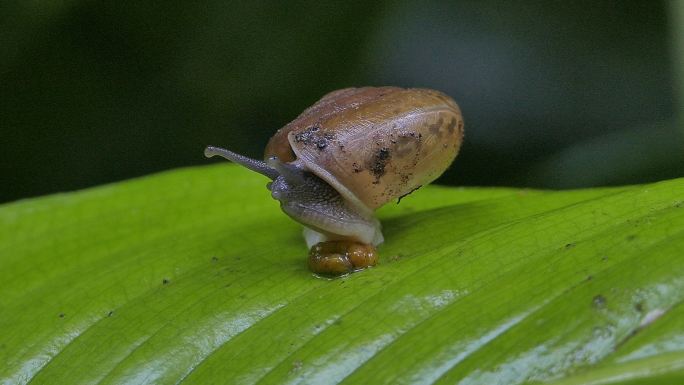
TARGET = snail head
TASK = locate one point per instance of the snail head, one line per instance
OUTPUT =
(308, 199)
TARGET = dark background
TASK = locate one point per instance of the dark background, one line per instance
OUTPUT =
(555, 94)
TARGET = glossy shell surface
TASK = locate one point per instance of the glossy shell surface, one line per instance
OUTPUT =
(374, 144)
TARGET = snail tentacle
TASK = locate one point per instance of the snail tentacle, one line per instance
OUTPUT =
(252, 164)
(293, 173)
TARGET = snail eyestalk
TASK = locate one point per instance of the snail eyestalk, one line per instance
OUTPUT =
(290, 172)
(252, 164)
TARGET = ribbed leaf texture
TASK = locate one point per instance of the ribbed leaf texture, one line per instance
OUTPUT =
(195, 276)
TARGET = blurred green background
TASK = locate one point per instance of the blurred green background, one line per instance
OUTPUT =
(555, 94)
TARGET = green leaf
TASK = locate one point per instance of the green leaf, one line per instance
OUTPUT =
(195, 276)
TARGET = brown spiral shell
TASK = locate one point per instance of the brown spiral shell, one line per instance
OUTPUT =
(374, 144)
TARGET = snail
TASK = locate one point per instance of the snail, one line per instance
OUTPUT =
(350, 153)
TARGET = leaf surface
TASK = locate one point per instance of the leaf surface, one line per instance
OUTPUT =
(195, 276)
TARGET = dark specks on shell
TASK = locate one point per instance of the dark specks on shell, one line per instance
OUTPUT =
(311, 136)
(378, 162)
(451, 126)
(307, 136)
(435, 128)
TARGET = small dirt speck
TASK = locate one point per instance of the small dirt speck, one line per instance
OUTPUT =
(639, 306)
(62, 315)
(599, 301)
(311, 136)
(296, 366)
(165, 281)
(379, 161)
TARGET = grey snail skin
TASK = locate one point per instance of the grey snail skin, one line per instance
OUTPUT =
(347, 155)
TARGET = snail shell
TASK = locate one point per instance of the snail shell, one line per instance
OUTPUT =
(374, 145)
(353, 151)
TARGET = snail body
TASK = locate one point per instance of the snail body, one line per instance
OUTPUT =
(353, 151)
